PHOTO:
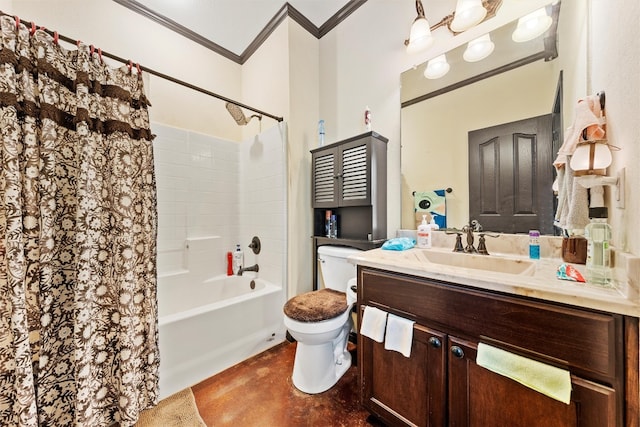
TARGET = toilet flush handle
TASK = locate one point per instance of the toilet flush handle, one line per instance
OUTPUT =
(353, 285)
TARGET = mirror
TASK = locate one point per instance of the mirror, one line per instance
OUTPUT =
(436, 116)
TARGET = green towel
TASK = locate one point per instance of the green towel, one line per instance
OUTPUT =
(546, 379)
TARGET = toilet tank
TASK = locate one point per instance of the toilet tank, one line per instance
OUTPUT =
(336, 270)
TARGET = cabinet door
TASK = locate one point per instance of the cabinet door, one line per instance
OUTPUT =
(342, 175)
(405, 391)
(325, 179)
(479, 397)
(354, 186)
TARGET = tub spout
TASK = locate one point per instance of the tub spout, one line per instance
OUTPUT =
(252, 268)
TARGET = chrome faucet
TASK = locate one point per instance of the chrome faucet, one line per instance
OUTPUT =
(252, 268)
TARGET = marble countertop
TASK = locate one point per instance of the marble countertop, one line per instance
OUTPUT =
(538, 281)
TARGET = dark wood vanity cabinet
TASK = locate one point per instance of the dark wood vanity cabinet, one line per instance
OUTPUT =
(441, 384)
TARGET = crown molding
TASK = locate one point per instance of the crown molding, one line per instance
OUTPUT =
(287, 10)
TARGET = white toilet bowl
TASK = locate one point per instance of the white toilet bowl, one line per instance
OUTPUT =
(322, 334)
(321, 354)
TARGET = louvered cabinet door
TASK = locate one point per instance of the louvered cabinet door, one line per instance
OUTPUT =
(325, 179)
(354, 182)
(341, 176)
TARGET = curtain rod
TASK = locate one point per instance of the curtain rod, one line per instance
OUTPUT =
(150, 71)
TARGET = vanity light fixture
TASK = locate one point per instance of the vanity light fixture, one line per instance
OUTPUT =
(478, 49)
(420, 37)
(532, 25)
(437, 67)
(468, 13)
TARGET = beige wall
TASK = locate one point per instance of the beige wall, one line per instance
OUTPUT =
(305, 92)
(614, 66)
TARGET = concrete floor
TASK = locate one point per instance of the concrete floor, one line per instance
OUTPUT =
(259, 392)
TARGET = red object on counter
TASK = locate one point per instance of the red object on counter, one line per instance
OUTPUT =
(229, 264)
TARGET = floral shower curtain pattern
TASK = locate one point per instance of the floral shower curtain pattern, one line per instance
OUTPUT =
(78, 221)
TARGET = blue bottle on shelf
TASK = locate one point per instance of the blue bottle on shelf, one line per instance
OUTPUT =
(534, 244)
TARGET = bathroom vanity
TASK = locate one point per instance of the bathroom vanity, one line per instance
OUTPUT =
(592, 333)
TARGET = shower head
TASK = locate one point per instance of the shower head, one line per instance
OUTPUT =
(238, 115)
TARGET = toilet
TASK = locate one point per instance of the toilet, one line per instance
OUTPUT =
(320, 321)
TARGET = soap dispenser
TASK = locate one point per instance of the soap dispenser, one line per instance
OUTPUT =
(424, 234)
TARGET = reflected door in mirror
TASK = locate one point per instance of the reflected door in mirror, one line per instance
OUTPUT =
(510, 176)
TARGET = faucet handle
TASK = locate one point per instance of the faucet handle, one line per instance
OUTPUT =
(482, 247)
(255, 245)
(458, 247)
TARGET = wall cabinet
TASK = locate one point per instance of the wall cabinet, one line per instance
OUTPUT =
(441, 385)
(352, 172)
(349, 178)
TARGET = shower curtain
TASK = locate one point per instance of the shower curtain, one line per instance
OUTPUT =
(78, 309)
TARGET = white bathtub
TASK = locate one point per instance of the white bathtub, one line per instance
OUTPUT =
(210, 325)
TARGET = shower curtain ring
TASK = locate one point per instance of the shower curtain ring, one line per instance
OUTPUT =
(17, 21)
(33, 28)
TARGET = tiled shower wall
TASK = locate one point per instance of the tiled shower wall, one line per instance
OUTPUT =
(214, 193)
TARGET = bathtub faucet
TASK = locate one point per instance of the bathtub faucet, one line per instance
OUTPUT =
(252, 268)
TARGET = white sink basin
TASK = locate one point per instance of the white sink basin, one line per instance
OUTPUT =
(481, 262)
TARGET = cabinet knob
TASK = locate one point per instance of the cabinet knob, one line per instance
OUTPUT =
(457, 352)
(435, 342)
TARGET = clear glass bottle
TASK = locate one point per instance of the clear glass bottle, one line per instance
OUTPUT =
(333, 227)
(598, 234)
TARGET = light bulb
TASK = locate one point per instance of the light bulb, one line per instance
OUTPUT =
(531, 26)
(468, 13)
(420, 36)
(478, 49)
(437, 67)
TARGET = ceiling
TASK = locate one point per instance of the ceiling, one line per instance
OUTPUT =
(235, 28)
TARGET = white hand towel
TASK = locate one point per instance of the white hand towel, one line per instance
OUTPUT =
(373, 324)
(399, 335)
(546, 379)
